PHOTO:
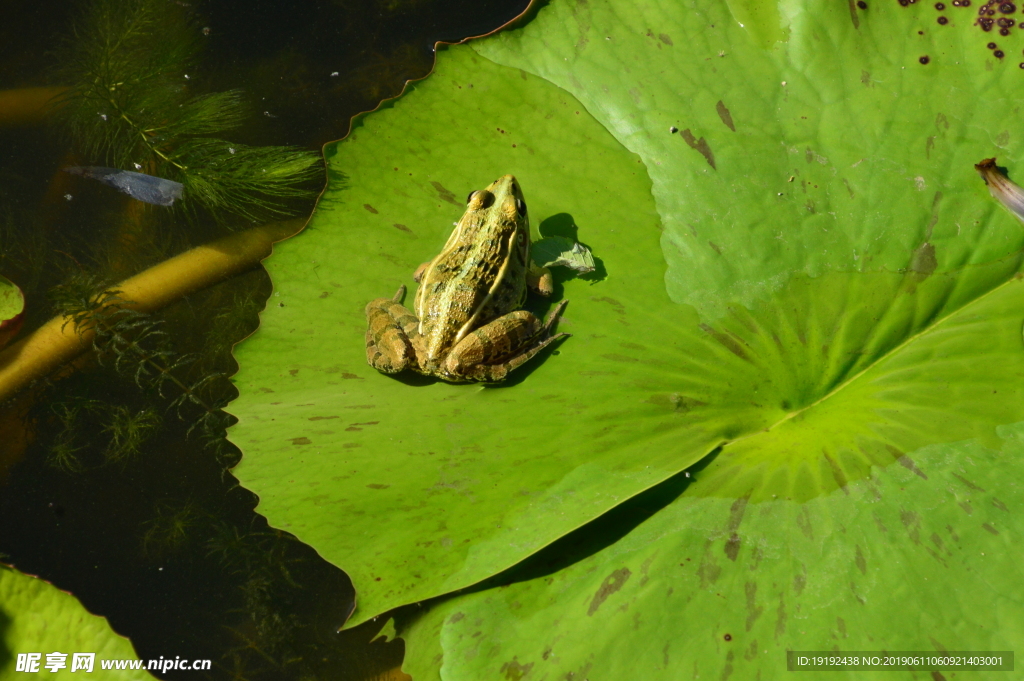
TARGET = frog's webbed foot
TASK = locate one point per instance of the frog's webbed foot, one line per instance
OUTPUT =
(389, 328)
(492, 351)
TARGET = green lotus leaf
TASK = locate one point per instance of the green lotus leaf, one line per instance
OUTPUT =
(804, 275)
(37, 617)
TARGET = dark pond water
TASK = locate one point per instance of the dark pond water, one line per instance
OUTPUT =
(115, 484)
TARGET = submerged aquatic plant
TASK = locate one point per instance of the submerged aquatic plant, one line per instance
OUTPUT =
(75, 420)
(170, 528)
(131, 104)
(128, 429)
(134, 343)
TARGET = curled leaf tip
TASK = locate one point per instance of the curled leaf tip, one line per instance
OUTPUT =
(1002, 189)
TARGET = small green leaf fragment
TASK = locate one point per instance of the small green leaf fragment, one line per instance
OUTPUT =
(12, 302)
(387, 632)
(559, 251)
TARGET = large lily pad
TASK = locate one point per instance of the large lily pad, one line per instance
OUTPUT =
(37, 617)
(802, 269)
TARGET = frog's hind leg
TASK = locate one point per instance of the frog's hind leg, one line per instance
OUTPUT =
(492, 351)
(389, 328)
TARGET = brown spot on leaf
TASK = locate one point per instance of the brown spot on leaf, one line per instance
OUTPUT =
(321, 418)
(730, 343)
(1000, 505)
(837, 473)
(753, 610)
(989, 528)
(923, 261)
(732, 546)
(967, 482)
(912, 522)
(611, 301)
(301, 441)
(371, 208)
(725, 115)
(708, 570)
(909, 464)
(803, 521)
(800, 580)
(862, 564)
(445, 194)
(614, 357)
(715, 247)
(849, 188)
(403, 228)
(611, 584)
(377, 485)
(780, 618)
(700, 145)
(663, 37)
(514, 671)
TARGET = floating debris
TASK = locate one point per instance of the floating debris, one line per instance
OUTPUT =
(559, 251)
(155, 190)
(1002, 189)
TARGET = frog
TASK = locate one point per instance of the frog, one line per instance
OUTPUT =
(466, 324)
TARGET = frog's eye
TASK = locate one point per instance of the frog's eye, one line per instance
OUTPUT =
(521, 207)
(479, 199)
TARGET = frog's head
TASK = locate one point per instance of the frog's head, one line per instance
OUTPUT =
(503, 197)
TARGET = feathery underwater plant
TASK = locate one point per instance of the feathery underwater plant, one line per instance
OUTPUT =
(131, 104)
(135, 346)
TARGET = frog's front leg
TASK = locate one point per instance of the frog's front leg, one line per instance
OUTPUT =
(492, 351)
(390, 327)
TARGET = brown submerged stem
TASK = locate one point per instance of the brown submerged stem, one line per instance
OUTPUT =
(61, 340)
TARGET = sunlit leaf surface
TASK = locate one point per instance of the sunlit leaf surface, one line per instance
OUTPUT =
(37, 617)
(805, 275)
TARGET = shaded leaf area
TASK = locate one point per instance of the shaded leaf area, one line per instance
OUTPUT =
(37, 617)
(802, 269)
